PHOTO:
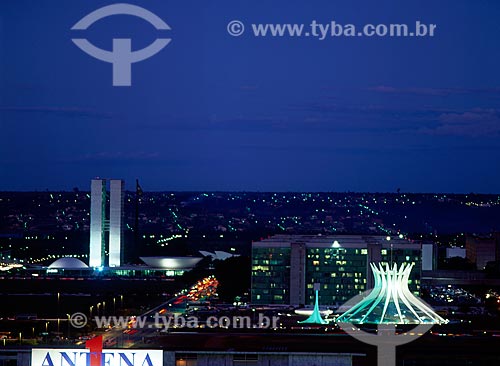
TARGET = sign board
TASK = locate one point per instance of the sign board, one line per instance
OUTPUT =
(106, 357)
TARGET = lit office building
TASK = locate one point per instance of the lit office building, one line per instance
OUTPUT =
(97, 222)
(116, 217)
(101, 226)
(480, 251)
(285, 268)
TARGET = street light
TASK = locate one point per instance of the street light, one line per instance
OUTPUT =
(46, 331)
(20, 338)
(90, 310)
(69, 317)
(58, 299)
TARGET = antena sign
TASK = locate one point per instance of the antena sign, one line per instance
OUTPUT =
(95, 357)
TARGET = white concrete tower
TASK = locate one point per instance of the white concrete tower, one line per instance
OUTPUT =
(97, 222)
(116, 217)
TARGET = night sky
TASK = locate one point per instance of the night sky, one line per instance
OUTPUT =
(216, 112)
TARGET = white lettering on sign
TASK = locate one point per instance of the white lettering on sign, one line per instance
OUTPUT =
(108, 357)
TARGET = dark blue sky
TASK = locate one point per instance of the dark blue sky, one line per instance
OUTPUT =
(216, 112)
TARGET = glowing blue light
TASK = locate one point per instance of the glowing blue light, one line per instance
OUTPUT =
(390, 301)
(315, 317)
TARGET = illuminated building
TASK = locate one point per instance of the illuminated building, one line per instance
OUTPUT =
(234, 350)
(480, 251)
(388, 304)
(116, 217)
(390, 301)
(286, 267)
(100, 226)
(97, 222)
(160, 267)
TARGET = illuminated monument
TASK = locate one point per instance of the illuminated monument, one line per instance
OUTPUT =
(100, 225)
(389, 303)
(315, 317)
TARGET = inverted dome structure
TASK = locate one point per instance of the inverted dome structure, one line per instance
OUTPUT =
(68, 263)
(390, 301)
(171, 262)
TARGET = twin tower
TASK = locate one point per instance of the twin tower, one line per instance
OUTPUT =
(106, 223)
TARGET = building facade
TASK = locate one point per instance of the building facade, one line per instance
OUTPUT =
(116, 225)
(106, 224)
(22, 357)
(285, 268)
(480, 251)
(97, 222)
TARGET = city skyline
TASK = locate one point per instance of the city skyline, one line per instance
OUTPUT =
(249, 182)
(216, 112)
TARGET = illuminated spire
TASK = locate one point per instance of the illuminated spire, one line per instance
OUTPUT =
(315, 317)
(390, 301)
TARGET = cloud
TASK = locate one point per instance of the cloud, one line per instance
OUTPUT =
(115, 156)
(367, 117)
(247, 122)
(249, 87)
(414, 91)
(67, 111)
(434, 91)
(474, 123)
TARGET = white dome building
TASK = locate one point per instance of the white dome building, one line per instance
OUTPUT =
(68, 263)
